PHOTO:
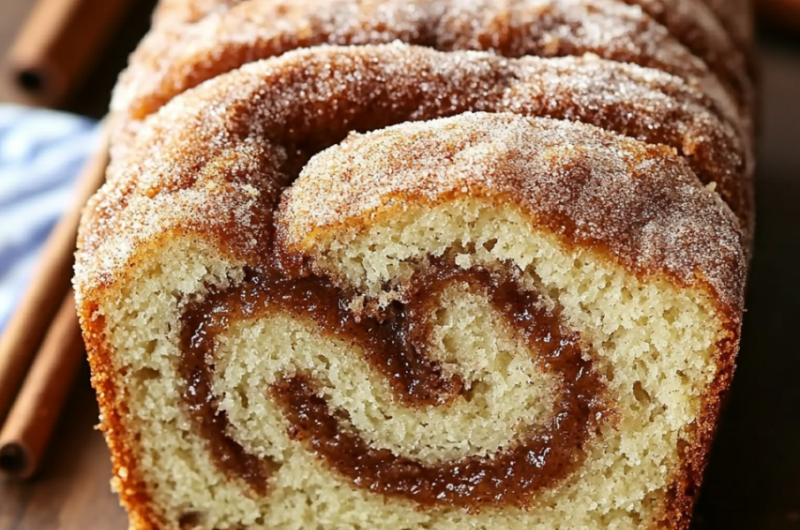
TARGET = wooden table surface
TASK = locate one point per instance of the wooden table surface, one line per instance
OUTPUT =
(753, 482)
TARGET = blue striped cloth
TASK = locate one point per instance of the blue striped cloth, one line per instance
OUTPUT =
(41, 153)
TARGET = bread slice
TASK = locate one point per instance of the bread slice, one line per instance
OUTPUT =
(484, 321)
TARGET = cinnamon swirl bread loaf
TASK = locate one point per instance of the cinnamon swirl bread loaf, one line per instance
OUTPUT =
(490, 277)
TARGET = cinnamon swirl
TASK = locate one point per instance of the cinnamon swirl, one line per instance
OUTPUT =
(405, 286)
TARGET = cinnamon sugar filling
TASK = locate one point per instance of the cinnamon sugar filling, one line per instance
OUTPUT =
(690, 42)
(394, 344)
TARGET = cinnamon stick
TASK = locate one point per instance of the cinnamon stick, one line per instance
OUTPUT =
(37, 408)
(33, 315)
(57, 45)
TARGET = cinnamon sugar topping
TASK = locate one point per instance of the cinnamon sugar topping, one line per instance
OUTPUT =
(216, 158)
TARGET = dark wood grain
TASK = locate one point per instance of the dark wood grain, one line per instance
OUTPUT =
(753, 482)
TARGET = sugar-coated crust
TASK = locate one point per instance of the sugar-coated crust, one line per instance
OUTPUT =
(228, 34)
(639, 203)
(214, 160)
(696, 23)
(371, 87)
(687, 19)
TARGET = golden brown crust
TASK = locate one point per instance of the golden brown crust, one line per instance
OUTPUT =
(173, 60)
(696, 23)
(694, 454)
(660, 222)
(170, 167)
(221, 35)
(127, 479)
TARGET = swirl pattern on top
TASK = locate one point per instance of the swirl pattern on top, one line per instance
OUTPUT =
(182, 56)
(695, 22)
(655, 107)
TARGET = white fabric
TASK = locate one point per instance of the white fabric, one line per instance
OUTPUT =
(41, 153)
